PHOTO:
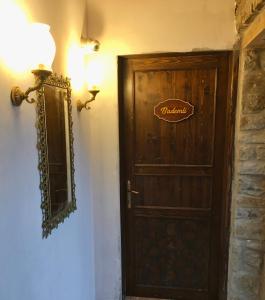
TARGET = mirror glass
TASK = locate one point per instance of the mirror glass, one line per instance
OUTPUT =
(55, 145)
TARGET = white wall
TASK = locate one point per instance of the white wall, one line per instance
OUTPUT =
(61, 267)
(82, 257)
(134, 27)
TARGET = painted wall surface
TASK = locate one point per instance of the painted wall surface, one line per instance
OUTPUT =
(81, 260)
(135, 27)
(61, 267)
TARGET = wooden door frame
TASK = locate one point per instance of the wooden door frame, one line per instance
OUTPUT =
(228, 160)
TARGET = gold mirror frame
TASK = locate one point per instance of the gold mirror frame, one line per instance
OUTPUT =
(49, 221)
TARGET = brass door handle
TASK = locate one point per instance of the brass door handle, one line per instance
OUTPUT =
(134, 192)
(129, 193)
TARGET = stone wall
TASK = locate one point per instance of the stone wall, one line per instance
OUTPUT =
(246, 10)
(247, 246)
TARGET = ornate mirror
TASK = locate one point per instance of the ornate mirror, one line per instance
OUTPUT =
(55, 148)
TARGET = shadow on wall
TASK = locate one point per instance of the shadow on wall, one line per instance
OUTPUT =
(93, 25)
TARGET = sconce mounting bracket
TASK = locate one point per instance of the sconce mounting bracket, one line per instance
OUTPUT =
(17, 96)
(81, 105)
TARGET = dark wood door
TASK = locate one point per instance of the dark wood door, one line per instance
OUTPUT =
(173, 175)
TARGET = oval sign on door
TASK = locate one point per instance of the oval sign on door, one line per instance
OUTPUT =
(173, 110)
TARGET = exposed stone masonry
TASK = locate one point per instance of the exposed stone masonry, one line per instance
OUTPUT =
(246, 10)
(248, 216)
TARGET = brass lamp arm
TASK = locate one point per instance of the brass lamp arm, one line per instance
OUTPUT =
(81, 105)
(17, 96)
(30, 90)
(88, 101)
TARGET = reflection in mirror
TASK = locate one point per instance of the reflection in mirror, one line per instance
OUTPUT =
(55, 145)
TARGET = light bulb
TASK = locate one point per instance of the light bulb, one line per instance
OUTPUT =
(43, 47)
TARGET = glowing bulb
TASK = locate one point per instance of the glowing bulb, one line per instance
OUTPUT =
(43, 46)
(94, 72)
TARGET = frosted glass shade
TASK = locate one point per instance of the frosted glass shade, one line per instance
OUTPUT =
(42, 47)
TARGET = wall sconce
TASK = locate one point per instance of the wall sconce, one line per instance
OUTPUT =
(89, 45)
(43, 53)
(81, 105)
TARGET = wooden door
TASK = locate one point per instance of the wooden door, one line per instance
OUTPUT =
(173, 175)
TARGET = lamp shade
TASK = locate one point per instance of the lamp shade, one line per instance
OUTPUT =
(42, 47)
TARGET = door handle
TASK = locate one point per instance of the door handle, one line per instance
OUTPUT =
(134, 192)
(129, 194)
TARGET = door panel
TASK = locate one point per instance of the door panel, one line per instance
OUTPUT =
(158, 142)
(167, 252)
(172, 208)
(173, 191)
